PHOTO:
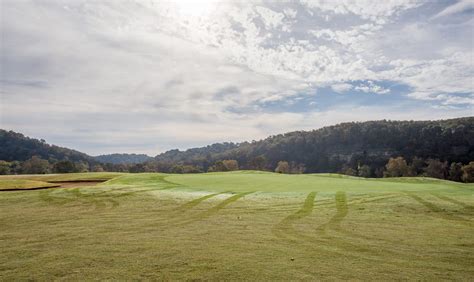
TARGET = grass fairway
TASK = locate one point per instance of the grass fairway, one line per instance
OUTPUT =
(237, 225)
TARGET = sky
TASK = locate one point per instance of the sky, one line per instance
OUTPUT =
(147, 76)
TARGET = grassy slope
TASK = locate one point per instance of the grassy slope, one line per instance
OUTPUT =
(271, 182)
(157, 226)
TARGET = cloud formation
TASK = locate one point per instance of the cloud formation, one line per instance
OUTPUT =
(147, 76)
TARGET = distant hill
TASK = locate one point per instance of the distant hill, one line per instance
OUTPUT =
(123, 158)
(435, 148)
(197, 154)
(332, 148)
(17, 147)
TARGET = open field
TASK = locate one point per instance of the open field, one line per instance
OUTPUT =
(237, 225)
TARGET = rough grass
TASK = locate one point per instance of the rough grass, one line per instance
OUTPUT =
(23, 184)
(65, 177)
(239, 226)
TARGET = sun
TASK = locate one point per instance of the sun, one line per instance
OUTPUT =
(195, 8)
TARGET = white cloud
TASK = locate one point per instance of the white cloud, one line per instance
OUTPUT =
(341, 87)
(290, 13)
(270, 18)
(371, 87)
(432, 78)
(123, 75)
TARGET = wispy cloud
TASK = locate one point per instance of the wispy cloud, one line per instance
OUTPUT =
(460, 6)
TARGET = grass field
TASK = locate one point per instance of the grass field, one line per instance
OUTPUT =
(237, 225)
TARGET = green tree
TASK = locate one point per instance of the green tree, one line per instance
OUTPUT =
(185, 169)
(97, 168)
(36, 165)
(365, 171)
(455, 172)
(177, 169)
(347, 170)
(283, 167)
(396, 167)
(4, 167)
(15, 167)
(64, 167)
(191, 169)
(379, 172)
(417, 166)
(82, 166)
(137, 168)
(212, 168)
(220, 166)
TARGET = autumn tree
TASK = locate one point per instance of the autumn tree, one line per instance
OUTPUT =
(396, 167)
(468, 173)
(231, 165)
(258, 163)
(224, 165)
(283, 167)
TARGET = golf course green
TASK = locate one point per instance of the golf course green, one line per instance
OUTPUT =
(241, 225)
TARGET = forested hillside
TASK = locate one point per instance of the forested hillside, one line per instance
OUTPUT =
(123, 158)
(17, 147)
(22, 154)
(346, 147)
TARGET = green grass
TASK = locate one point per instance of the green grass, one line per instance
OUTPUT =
(238, 226)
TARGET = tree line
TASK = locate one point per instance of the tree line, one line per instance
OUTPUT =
(395, 167)
(443, 149)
